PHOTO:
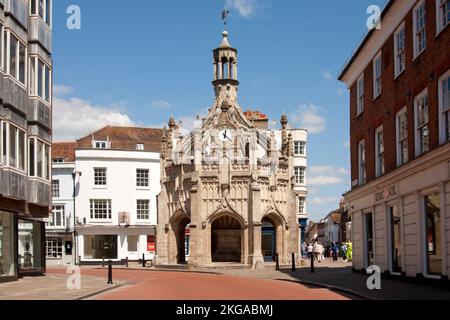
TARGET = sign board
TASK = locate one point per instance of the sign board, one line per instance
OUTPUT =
(386, 194)
(151, 247)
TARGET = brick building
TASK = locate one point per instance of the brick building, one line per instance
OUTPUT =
(399, 81)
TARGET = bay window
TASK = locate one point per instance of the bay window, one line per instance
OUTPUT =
(421, 123)
(13, 149)
(39, 159)
(17, 53)
(40, 79)
(43, 9)
(299, 173)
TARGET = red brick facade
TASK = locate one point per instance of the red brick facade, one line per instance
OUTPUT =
(420, 73)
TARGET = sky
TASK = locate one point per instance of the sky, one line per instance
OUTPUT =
(137, 62)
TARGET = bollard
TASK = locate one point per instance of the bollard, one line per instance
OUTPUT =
(277, 263)
(103, 262)
(110, 272)
(293, 262)
(143, 260)
(312, 263)
(126, 262)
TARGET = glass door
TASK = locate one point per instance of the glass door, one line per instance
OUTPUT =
(433, 234)
(396, 240)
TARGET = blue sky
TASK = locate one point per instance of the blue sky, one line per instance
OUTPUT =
(136, 62)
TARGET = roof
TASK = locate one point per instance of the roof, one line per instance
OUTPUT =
(255, 115)
(64, 150)
(125, 138)
(363, 43)
(335, 216)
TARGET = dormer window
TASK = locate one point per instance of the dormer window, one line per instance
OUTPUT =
(100, 144)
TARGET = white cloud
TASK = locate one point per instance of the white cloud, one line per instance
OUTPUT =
(59, 90)
(324, 200)
(322, 180)
(308, 117)
(326, 175)
(245, 8)
(327, 75)
(74, 118)
(161, 104)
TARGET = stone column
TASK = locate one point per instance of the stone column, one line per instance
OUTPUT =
(254, 239)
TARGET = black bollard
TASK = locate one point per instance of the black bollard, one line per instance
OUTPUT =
(312, 263)
(110, 272)
(143, 260)
(126, 262)
(277, 263)
(103, 262)
(293, 263)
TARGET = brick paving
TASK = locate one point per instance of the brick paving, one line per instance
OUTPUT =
(52, 287)
(339, 274)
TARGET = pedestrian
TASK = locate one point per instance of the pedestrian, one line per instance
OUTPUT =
(335, 249)
(310, 250)
(304, 248)
(318, 251)
(344, 251)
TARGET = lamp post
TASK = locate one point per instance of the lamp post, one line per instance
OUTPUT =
(75, 174)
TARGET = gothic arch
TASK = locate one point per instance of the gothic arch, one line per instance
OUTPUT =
(178, 223)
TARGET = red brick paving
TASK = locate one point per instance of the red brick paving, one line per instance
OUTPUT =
(160, 285)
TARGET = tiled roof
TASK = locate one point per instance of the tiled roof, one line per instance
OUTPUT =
(125, 138)
(335, 216)
(64, 150)
(255, 115)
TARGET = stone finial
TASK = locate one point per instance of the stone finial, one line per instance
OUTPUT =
(284, 121)
(225, 44)
(172, 123)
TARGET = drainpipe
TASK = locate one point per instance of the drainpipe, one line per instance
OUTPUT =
(75, 236)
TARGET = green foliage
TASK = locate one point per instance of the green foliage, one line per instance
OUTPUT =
(349, 252)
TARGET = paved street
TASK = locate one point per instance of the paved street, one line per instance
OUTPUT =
(331, 281)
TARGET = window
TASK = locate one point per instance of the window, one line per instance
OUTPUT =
(42, 8)
(443, 14)
(402, 137)
(360, 93)
(100, 144)
(55, 188)
(299, 148)
(420, 33)
(143, 209)
(132, 243)
(39, 159)
(16, 58)
(54, 248)
(58, 160)
(101, 209)
(379, 151)
(399, 49)
(362, 162)
(142, 178)
(444, 108)
(301, 205)
(40, 81)
(433, 234)
(299, 173)
(100, 176)
(396, 239)
(58, 217)
(421, 123)
(2, 47)
(377, 75)
(14, 152)
(140, 147)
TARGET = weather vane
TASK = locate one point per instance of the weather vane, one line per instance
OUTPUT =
(225, 14)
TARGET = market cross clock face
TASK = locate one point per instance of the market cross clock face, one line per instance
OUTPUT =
(226, 135)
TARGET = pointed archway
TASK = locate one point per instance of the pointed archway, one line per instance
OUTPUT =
(178, 224)
(272, 234)
(226, 239)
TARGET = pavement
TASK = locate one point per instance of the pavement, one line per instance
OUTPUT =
(331, 281)
(53, 286)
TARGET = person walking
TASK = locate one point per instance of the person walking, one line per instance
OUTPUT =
(335, 250)
(310, 250)
(318, 251)
(344, 251)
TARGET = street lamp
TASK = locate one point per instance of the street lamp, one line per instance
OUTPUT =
(75, 174)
